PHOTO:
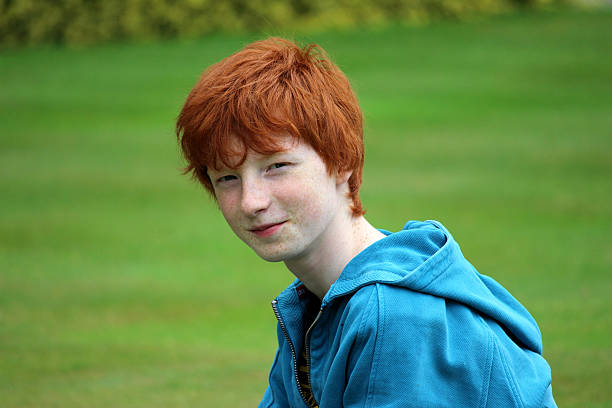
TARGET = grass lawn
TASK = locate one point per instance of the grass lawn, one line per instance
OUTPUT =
(121, 285)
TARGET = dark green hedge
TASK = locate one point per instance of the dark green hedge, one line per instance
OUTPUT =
(92, 21)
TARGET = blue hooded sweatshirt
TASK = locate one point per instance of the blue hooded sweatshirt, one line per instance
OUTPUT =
(409, 323)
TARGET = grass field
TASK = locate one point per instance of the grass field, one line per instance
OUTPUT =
(121, 286)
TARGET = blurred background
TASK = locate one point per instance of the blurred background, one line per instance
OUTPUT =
(121, 285)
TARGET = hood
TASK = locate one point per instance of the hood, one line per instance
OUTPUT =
(424, 257)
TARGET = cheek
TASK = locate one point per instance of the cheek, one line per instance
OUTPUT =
(228, 206)
(310, 198)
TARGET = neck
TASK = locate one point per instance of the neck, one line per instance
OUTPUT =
(320, 267)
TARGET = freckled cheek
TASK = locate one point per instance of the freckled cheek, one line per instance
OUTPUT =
(229, 207)
(304, 200)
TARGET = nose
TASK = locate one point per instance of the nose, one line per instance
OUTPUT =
(255, 197)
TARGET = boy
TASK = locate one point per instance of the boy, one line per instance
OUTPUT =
(374, 319)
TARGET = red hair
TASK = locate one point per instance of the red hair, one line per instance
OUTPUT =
(270, 87)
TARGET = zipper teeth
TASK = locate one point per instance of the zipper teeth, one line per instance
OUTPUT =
(307, 345)
(295, 367)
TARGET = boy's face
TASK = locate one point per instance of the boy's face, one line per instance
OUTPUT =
(282, 205)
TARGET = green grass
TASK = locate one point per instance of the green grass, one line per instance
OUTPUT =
(120, 284)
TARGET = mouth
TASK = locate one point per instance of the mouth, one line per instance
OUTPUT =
(266, 230)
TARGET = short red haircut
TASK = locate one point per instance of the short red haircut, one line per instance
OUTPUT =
(270, 87)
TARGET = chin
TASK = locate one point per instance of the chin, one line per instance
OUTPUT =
(273, 256)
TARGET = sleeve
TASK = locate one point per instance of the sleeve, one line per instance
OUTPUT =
(411, 349)
(417, 350)
(268, 400)
(549, 402)
(276, 395)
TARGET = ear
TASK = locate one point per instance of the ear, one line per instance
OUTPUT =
(343, 176)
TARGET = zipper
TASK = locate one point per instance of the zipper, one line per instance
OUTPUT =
(295, 367)
(307, 346)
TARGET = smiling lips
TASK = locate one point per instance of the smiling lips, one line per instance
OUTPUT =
(267, 230)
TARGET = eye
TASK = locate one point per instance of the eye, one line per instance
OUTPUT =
(278, 165)
(225, 179)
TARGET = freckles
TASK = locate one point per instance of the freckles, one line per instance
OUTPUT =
(227, 204)
(307, 197)
(309, 193)
(228, 209)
